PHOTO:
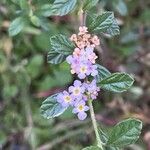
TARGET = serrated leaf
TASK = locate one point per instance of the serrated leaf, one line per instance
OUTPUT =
(61, 44)
(125, 133)
(92, 148)
(117, 82)
(102, 73)
(16, 26)
(51, 108)
(63, 7)
(105, 23)
(88, 4)
(61, 47)
(55, 58)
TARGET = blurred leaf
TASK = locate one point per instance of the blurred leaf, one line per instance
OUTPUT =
(63, 7)
(34, 65)
(88, 4)
(125, 133)
(102, 72)
(35, 20)
(51, 108)
(117, 82)
(120, 6)
(24, 4)
(105, 23)
(16, 26)
(92, 148)
(46, 10)
(10, 91)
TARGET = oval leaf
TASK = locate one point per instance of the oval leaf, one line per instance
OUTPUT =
(117, 82)
(105, 23)
(51, 108)
(88, 4)
(125, 133)
(102, 72)
(61, 44)
(16, 26)
(63, 7)
(92, 148)
(55, 58)
(61, 47)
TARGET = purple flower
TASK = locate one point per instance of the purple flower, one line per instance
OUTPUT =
(65, 99)
(93, 70)
(92, 89)
(80, 109)
(77, 89)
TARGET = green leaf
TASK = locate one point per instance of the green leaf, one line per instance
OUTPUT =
(46, 10)
(61, 44)
(35, 20)
(125, 133)
(55, 58)
(63, 7)
(88, 4)
(117, 82)
(111, 148)
(51, 108)
(120, 6)
(24, 4)
(102, 72)
(105, 23)
(16, 26)
(61, 47)
(92, 148)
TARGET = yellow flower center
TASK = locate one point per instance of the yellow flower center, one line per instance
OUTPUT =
(76, 91)
(67, 98)
(80, 107)
(83, 69)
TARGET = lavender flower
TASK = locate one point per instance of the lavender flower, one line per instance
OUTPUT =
(65, 99)
(80, 109)
(77, 90)
(92, 89)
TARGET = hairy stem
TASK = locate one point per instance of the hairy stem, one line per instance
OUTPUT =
(99, 143)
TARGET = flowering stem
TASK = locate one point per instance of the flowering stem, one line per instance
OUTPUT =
(99, 142)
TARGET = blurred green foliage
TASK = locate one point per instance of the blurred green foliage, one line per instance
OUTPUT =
(26, 77)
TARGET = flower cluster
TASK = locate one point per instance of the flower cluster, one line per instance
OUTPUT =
(82, 63)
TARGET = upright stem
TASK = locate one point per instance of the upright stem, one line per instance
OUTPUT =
(99, 142)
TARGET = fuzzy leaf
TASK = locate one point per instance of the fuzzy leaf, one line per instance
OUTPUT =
(55, 57)
(102, 72)
(105, 23)
(51, 108)
(63, 7)
(61, 47)
(117, 82)
(88, 4)
(125, 133)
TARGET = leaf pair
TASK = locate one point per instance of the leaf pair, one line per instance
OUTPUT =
(123, 134)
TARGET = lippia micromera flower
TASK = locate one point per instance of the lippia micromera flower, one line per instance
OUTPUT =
(80, 109)
(65, 99)
(77, 89)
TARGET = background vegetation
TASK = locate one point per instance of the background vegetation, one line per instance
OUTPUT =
(26, 78)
